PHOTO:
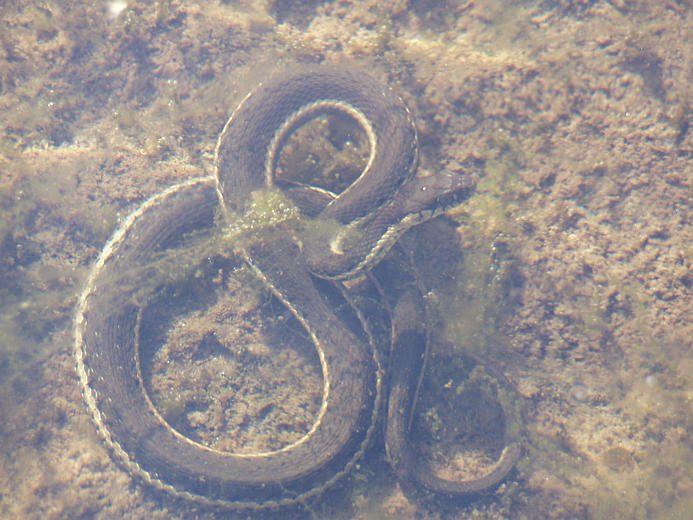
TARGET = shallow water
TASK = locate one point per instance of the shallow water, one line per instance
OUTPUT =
(569, 271)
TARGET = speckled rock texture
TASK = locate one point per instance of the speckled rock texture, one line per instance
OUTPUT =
(570, 271)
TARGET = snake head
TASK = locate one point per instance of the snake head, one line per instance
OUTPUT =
(435, 193)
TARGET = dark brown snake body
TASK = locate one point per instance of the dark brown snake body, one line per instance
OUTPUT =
(367, 218)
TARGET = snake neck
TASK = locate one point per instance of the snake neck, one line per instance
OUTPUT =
(343, 251)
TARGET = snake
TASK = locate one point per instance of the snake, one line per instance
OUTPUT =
(337, 241)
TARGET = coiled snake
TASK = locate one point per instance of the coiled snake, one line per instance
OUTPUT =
(363, 222)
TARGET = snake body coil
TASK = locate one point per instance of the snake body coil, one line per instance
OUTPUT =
(381, 204)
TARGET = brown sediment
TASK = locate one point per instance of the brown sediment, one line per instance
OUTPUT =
(575, 253)
(219, 378)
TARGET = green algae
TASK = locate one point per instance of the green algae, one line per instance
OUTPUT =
(642, 481)
(37, 290)
(487, 282)
(192, 256)
(655, 488)
(267, 208)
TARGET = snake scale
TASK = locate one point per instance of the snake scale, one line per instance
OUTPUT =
(365, 220)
